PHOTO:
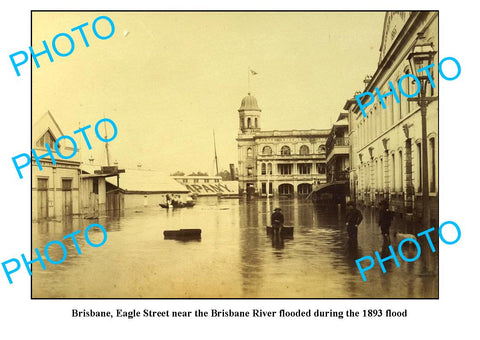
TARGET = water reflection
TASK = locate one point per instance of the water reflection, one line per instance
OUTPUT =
(235, 257)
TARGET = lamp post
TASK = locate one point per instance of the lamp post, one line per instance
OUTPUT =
(421, 56)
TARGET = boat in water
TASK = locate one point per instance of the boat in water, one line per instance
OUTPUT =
(170, 204)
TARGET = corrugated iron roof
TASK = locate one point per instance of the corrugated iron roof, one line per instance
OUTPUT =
(142, 180)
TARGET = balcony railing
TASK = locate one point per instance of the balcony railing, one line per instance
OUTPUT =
(337, 141)
(338, 176)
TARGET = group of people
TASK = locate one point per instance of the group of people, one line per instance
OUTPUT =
(172, 200)
(353, 218)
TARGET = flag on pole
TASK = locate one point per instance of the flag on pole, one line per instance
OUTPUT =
(253, 72)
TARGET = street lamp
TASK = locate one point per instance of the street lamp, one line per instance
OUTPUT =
(421, 56)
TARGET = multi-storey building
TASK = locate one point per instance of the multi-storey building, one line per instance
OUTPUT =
(284, 163)
(386, 152)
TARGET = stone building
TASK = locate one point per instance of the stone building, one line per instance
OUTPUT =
(284, 163)
(386, 146)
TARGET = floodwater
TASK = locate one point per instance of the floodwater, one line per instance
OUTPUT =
(234, 258)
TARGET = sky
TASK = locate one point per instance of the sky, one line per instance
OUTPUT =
(168, 79)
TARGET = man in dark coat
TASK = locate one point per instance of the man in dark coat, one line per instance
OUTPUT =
(385, 219)
(353, 218)
(277, 219)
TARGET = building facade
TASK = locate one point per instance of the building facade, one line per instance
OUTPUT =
(55, 187)
(146, 188)
(386, 146)
(283, 163)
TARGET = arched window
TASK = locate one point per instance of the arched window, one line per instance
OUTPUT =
(249, 123)
(256, 123)
(304, 150)
(321, 149)
(285, 151)
(264, 169)
(267, 151)
(269, 168)
(249, 152)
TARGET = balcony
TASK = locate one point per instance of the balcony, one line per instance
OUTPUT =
(337, 146)
(338, 176)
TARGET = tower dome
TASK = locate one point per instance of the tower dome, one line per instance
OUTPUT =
(249, 103)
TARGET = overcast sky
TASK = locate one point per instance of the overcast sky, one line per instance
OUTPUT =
(177, 76)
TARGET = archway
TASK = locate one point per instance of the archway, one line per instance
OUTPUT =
(285, 189)
(304, 189)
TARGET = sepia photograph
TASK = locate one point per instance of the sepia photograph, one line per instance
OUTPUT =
(234, 154)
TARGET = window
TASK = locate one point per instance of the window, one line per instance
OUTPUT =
(321, 149)
(285, 151)
(66, 184)
(285, 169)
(393, 173)
(381, 170)
(269, 168)
(256, 123)
(217, 180)
(47, 138)
(304, 169)
(249, 152)
(304, 150)
(42, 184)
(206, 180)
(419, 167)
(249, 171)
(400, 166)
(264, 188)
(249, 122)
(401, 105)
(321, 168)
(185, 180)
(432, 165)
(195, 180)
(264, 169)
(392, 111)
(267, 151)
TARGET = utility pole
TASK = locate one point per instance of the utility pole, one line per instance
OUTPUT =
(106, 143)
(215, 149)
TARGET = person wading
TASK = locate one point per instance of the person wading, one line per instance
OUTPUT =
(277, 221)
(385, 217)
(353, 219)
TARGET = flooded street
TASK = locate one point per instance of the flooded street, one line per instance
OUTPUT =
(234, 258)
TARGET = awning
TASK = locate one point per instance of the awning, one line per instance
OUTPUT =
(322, 187)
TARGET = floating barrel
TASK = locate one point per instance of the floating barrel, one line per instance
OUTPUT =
(286, 231)
(183, 234)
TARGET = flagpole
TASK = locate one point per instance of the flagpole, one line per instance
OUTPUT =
(248, 72)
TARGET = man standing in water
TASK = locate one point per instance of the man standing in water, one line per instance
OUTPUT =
(277, 221)
(352, 220)
(385, 217)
